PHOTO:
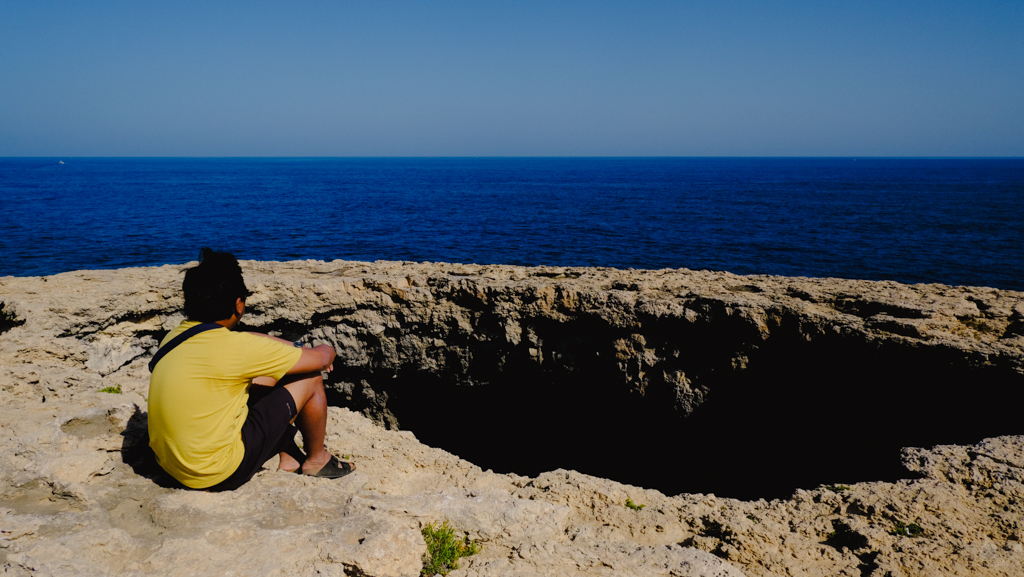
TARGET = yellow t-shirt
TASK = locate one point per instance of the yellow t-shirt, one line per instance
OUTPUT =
(197, 400)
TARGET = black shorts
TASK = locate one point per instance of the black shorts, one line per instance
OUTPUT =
(267, 431)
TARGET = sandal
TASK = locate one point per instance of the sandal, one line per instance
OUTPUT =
(334, 469)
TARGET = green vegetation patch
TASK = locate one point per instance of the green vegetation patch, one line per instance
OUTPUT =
(837, 488)
(115, 390)
(631, 505)
(444, 550)
(903, 530)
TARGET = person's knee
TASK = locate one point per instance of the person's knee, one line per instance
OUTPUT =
(307, 388)
(303, 389)
(317, 384)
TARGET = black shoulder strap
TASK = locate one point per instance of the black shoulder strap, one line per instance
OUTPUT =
(200, 328)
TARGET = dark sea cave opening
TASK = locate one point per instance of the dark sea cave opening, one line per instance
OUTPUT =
(801, 414)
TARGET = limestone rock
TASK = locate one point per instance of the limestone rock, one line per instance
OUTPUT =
(78, 495)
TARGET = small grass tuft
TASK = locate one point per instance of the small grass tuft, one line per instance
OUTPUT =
(754, 518)
(837, 488)
(903, 530)
(444, 550)
(115, 390)
(631, 505)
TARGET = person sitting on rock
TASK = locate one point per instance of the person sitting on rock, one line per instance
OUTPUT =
(223, 402)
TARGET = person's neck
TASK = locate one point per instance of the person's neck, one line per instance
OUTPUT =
(229, 323)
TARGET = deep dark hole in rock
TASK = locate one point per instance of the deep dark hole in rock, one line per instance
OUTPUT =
(799, 415)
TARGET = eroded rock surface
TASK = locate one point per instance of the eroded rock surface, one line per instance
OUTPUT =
(80, 497)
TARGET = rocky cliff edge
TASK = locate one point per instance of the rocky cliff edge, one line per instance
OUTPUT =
(79, 496)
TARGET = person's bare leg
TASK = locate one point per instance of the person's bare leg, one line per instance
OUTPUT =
(308, 391)
(289, 463)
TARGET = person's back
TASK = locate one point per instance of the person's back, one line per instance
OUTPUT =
(198, 400)
(205, 427)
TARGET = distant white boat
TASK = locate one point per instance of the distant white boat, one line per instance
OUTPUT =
(61, 161)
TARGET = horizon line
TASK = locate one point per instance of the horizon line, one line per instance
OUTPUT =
(325, 157)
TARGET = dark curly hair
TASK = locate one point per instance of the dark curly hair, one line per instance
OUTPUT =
(212, 287)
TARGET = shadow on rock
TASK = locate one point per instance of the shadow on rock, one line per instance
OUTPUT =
(135, 452)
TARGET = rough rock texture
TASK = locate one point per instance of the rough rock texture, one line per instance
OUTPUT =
(431, 346)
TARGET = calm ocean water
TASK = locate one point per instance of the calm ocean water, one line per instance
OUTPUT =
(955, 221)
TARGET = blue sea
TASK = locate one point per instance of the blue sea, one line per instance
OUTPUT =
(954, 221)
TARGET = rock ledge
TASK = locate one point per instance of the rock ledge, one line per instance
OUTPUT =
(80, 497)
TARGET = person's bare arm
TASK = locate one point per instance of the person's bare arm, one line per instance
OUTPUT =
(318, 358)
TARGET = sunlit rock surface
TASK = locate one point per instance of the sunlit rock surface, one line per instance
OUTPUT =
(799, 389)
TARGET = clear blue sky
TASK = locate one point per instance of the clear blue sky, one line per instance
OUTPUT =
(522, 78)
